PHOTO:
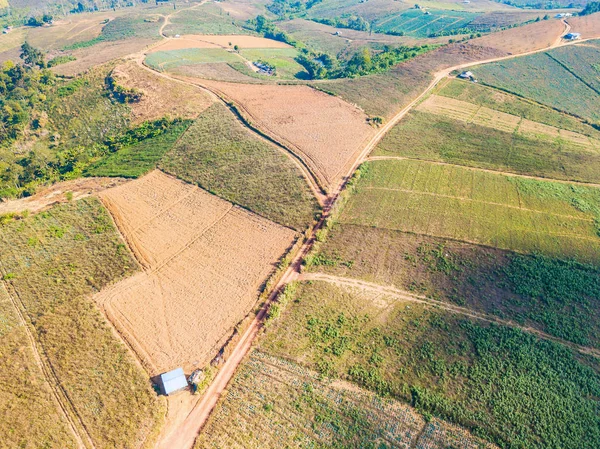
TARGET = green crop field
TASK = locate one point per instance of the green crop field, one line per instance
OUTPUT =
(220, 155)
(582, 61)
(481, 207)
(505, 385)
(52, 262)
(138, 159)
(542, 78)
(559, 297)
(512, 104)
(31, 418)
(206, 19)
(274, 403)
(167, 60)
(433, 137)
(414, 22)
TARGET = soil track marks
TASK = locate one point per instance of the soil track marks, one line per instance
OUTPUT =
(205, 261)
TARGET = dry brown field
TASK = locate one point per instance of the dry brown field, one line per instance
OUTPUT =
(523, 39)
(588, 26)
(205, 262)
(101, 53)
(160, 95)
(221, 71)
(481, 115)
(187, 41)
(240, 40)
(323, 130)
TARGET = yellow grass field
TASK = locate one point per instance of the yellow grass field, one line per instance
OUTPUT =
(481, 115)
(324, 131)
(160, 96)
(205, 262)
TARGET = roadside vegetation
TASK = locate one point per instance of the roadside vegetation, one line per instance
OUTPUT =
(507, 386)
(77, 251)
(219, 155)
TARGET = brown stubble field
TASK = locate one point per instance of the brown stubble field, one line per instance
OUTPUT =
(205, 259)
(160, 95)
(322, 130)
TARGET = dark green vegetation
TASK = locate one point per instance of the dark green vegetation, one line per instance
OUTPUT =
(142, 152)
(507, 386)
(512, 104)
(564, 79)
(559, 297)
(526, 215)
(590, 8)
(52, 262)
(433, 137)
(220, 155)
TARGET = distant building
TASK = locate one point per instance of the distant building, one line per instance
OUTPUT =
(337, 33)
(572, 36)
(173, 381)
(562, 15)
(466, 75)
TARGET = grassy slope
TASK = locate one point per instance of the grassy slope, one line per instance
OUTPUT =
(166, 60)
(559, 297)
(206, 19)
(496, 210)
(221, 156)
(31, 418)
(136, 160)
(433, 137)
(55, 260)
(543, 79)
(511, 104)
(507, 386)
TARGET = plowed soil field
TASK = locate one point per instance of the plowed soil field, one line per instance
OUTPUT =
(205, 261)
(324, 131)
(160, 96)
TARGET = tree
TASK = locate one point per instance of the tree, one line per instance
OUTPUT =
(32, 56)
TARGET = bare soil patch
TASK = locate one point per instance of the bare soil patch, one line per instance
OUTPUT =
(181, 43)
(324, 131)
(61, 192)
(240, 40)
(100, 54)
(214, 71)
(523, 39)
(205, 262)
(160, 96)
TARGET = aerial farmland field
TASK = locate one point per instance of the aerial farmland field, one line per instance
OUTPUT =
(415, 22)
(487, 208)
(209, 258)
(443, 363)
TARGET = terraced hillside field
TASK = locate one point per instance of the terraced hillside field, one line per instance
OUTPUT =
(50, 264)
(480, 207)
(415, 22)
(205, 261)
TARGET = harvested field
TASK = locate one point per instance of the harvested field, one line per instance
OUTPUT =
(205, 262)
(524, 38)
(387, 93)
(324, 131)
(220, 71)
(561, 298)
(51, 263)
(242, 41)
(274, 403)
(207, 18)
(57, 193)
(190, 41)
(101, 53)
(481, 115)
(505, 212)
(588, 26)
(160, 96)
(511, 104)
(531, 151)
(454, 367)
(222, 156)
